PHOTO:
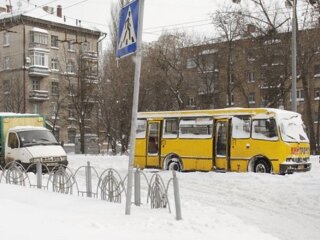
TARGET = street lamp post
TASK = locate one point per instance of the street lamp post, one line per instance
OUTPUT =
(294, 58)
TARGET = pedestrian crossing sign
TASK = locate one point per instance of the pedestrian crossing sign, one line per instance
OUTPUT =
(128, 29)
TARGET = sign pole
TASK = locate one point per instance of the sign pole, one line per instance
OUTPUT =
(134, 107)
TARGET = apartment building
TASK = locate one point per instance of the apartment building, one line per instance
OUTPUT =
(41, 61)
(255, 71)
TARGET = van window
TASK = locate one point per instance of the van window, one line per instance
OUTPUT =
(264, 129)
(196, 128)
(170, 129)
(13, 140)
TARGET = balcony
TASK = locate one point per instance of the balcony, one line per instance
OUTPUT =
(38, 71)
(89, 55)
(38, 95)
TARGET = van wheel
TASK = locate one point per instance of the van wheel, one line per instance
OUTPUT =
(174, 164)
(261, 166)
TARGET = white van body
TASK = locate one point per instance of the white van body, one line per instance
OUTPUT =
(29, 144)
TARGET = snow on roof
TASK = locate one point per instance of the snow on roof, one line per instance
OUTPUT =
(221, 112)
(28, 128)
(40, 13)
(11, 114)
(40, 30)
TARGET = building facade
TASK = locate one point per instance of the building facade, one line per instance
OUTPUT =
(44, 60)
(255, 71)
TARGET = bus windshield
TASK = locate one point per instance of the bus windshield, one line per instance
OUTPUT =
(292, 130)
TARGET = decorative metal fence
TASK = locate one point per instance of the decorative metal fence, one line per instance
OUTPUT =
(108, 186)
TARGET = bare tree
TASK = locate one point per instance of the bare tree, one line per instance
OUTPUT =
(13, 97)
(230, 24)
(169, 59)
(115, 92)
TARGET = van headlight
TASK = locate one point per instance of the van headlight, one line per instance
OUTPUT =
(64, 158)
(34, 160)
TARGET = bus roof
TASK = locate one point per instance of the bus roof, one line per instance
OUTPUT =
(11, 114)
(220, 113)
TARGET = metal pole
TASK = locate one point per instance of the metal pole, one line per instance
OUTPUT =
(88, 180)
(39, 174)
(176, 196)
(294, 58)
(134, 108)
(137, 188)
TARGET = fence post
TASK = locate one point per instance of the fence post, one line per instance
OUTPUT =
(39, 174)
(176, 196)
(88, 180)
(137, 188)
(15, 175)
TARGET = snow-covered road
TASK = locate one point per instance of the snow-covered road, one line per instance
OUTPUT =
(214, 206)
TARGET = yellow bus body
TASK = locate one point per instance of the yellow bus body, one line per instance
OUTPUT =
(240, 154)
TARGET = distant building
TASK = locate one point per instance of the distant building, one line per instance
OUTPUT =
(255, 71)
(39, 62)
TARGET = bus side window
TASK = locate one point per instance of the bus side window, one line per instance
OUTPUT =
(170, 129)
(141, 128)
(264, 129)
(241, 126)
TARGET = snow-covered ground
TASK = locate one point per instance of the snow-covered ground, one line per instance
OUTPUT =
(214, 206)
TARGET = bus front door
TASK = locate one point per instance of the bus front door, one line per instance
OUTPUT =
(153, 144)
(221, 145)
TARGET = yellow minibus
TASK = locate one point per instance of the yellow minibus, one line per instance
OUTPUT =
(233, 139)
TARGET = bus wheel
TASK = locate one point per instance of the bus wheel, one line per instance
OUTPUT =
(261, 166)
(174, 164)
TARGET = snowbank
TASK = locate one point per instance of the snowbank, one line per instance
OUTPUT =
(214, 206)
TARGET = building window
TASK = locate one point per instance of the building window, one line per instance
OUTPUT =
(300, 95)
(40, 38)
(251, 77)
(86, 47)
(71, 46)
(54, 110)
(71, 135)
(191, 102)
(55, 88)
(6, 39)
(35, 84)
(7, 63)
(191, 63)
(36, 108)
(54, 64)
(317, 70)
(54, 41)
(232, 78)
(316, 94)
(39, 59)
(6, 86)
(70, 67)
(251, 57)
(252, 98)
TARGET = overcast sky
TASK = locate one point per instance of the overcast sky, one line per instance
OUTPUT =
(159, 15)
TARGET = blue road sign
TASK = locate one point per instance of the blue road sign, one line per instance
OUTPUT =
(128, 29)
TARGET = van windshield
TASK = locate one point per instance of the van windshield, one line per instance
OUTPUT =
(36, 137)
(292, 130)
